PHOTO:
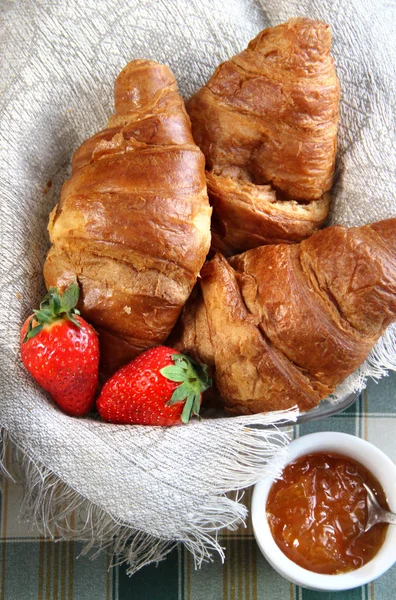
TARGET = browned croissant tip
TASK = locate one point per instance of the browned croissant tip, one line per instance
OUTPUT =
(309, 36)
(146, 68)
(138, 83)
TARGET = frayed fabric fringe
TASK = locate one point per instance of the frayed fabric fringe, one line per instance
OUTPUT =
(61, 513)
(379, 362)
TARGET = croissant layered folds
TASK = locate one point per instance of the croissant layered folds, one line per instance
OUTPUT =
(284, 324)
(267, 124)
(133, 222)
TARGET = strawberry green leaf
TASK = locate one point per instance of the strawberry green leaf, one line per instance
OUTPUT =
(71, 318)
(54, 303)
(44, 315)
(179, 394)
(180, 360)
(188, 408)
(174, 373)
(191, 406)
(70, 297)
(34, 331)
(54, 307)
(28, 329)
(197, 404)
(44, 301)
(200, 370)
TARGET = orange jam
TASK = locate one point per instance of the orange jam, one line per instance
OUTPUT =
(317, 513)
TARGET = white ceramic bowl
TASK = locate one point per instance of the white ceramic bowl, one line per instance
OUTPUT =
(375, 461)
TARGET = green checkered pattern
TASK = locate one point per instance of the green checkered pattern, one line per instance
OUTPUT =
(32, 568)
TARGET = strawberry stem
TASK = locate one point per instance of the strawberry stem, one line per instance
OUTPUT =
(53, 307)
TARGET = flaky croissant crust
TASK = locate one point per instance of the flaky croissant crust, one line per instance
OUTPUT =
(269, 116)
(133, 222)
(285, 324)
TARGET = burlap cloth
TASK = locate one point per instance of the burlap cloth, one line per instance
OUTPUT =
(147, 488)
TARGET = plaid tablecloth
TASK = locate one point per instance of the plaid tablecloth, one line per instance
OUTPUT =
(32, 568)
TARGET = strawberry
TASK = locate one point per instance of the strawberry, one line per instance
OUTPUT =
(159, 387)
(61, 351)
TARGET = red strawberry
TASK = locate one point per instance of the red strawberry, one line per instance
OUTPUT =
(61, 351)
(159, 387)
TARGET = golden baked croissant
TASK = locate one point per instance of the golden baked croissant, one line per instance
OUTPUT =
(267, 124)
(284, 324)
(133, 222)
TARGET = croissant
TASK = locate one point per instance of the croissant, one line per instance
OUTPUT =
(133, 222)
(267, 123)
(283, 325)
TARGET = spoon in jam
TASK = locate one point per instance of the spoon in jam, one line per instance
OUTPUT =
(376, 514)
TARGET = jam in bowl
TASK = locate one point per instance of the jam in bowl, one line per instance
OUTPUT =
(317, 512)
(310, 522)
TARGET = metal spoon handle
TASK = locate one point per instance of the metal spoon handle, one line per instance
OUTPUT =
(381, 516)
(387, 517)
(376, 514)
